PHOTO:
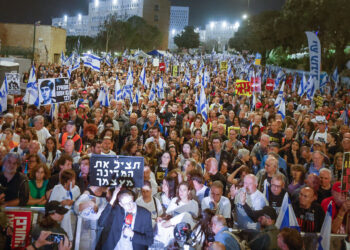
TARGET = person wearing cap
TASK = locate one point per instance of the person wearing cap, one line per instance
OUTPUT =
(319, 134)
(71, 134)
(54, 213)
(84, 99)
(267, 237)
(340, 207)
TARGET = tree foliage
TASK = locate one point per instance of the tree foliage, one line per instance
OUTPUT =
(187, 39)
(286, 29)
(133, 33)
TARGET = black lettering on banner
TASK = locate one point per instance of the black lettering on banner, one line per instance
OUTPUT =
(62, 90)
(109, 170)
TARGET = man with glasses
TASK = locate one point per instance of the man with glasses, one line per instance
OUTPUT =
(126, 225)
(276, 192)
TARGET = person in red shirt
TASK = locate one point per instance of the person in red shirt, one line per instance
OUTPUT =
(340, 206)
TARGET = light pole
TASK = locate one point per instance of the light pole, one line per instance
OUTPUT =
(35, 24)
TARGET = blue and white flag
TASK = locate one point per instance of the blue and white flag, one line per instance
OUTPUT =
(197, 104)
(345, 116)
(103, 97)
(279, 96)
(196, 81)
(115, 61)
(32, 91)
(302, 86)
(54, 111)
(335, 78)
(107, 59)
(324, 81)
(282, 108)
(63, 58)
(92, 61)
(129, 86)
(117, 90)
(216, 70)
(137, 96)
(143, 79)
(152, 93)
(4, 90)
(315, 57)
(203, 104)
(160, 89)
(281, 76)
(311, 87)
(324, 240)
(286, 217)
(187, 77)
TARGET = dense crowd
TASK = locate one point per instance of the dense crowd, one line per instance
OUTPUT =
(231, 170)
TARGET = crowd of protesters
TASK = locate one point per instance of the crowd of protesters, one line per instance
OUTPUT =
(231, 170)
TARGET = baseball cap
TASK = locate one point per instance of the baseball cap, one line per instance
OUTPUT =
(267, 212)
(258, 105)
(70, 122)
(337, 187)
(55, 207)
(84, 92)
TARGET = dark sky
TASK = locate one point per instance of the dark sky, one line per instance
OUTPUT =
(201, 11)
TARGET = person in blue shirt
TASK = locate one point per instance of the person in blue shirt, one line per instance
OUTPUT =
(274, 147)
(222, 234)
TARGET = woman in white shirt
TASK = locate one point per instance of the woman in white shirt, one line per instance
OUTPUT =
(168, 191)
(66, 193)
(51, 152)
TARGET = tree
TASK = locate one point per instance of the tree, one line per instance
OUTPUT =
(86, 43)
(133, 33)
(187, 39)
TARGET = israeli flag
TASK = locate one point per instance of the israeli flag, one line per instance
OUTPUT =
(53, 111)
(203, 104)
(282, 108)
(107, 59)
(3, 95)
(103, 97)
(302, 86)
(187, 77)
(196, 81)
(117, 90)
(324, 81)
(324, 239)
(152, 93)
(286, 217)
(63, 58)
(115, 61)
(279, 96)
(280, 77)
(137, 96)
(32, 91)
(160, 89)
(143, 79)
(92, 61)
(197, 104)
(335, 78)
(128, 88)
(216, 70)
(311, 88)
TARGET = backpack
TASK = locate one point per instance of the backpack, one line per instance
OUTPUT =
(243, 244)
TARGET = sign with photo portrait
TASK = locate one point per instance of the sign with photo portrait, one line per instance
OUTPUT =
(53, 90)
(14, 83)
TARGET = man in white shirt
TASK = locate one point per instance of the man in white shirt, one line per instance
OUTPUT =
(40, 130)
(160, 142)
(107, 146)
(253, 197)
(216, 201)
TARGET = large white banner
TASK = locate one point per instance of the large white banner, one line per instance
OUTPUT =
(315, 57)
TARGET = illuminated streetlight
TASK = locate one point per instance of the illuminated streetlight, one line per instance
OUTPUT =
(212, 24)
(96, 3)
(236, 26)
(65, 18)
(114, 2)
(79, 17)
(245, 16)
(173, 31)
(224, 24)
(134, 1)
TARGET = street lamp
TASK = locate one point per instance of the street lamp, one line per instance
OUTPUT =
(79, 17)
(114, 2)
(224, 24)
(173, 31)
(245, 16)
(96, 3)
(236, 26)
(212, 24)
(35, 24)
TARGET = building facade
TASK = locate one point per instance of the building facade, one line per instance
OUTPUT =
(179, 16)
(49, 41)
(155, 12)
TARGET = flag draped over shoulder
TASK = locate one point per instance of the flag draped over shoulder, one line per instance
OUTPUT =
(286, 217)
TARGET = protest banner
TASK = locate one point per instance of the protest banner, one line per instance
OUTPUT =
(162, 66)
(257, 59)
(223, 66)
(112, 170)
(315, 57)
(243, 88)
(345, 176)
(256, 84)
(20, 222)
(175, 70)
(14, 83)
(270, 84)
(155, 62)
(53, 90)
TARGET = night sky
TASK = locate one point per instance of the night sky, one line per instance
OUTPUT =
(201, 11)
